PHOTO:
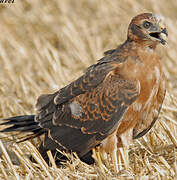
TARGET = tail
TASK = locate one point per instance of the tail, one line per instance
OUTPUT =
(26, 125)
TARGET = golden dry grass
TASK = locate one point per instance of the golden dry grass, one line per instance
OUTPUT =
(44, 45)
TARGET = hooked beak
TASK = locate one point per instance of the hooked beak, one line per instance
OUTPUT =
(159, 34)
(165, 31)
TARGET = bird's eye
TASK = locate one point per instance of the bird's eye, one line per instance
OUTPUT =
(146, 24)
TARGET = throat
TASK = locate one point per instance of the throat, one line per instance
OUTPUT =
(145, 44)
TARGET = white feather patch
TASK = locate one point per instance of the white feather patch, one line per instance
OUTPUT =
(76, 109)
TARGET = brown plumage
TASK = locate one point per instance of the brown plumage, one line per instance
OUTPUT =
(119, 95)
(142, 64)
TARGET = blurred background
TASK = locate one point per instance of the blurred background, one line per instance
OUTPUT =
(44, 45)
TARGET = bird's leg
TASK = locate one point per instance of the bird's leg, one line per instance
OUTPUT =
(113, 150)
(126, 139)
(109, 145)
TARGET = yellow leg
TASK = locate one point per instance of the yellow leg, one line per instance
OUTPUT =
(126, 139)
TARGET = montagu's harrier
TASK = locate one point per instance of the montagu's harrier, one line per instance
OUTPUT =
(116, 100)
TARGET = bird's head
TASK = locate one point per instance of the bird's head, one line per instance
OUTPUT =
(149, 28)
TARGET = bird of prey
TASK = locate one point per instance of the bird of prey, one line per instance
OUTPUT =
(143, 64)
(120, 95)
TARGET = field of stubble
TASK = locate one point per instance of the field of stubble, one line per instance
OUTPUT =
(44, 45)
